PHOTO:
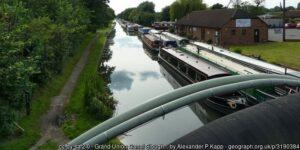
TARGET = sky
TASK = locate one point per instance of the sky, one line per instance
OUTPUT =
(120, 5)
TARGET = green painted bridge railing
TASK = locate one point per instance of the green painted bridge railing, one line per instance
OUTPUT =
(176, 99)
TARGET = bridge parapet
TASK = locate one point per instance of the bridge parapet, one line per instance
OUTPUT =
(166, 103)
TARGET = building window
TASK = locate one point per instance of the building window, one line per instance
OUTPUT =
(194, 29)
(244, 31)
(232, 31)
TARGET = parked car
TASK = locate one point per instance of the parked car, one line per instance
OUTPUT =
(298, 25)
(290, 25)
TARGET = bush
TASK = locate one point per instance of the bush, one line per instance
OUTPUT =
(99, 103)
(171, 30)
(209, 41)
(238, 50)
(7, 118)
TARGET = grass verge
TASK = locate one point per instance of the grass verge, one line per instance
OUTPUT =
(41, 103)
(50, 145)
(280, 53)
(83, 121)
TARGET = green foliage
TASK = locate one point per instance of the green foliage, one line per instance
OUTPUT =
(99, 103)
(77, 104)
(49, 145)
(144, 14)
(181, 8)
(238, 50)
(254, 10)
(217, 6)
(146, 7)
(36, 37)
(100, 13)
(165, 14)
(283, 53)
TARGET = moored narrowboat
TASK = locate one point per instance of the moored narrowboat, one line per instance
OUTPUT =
(151, 42)
(194, 69)
(144, 30)
(181, 41)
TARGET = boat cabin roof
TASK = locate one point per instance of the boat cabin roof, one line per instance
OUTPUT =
(155, 31)
(197, 63)
(151, 37)
(176, 37)
(164, 38)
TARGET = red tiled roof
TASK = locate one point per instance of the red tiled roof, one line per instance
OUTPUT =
(213, 18)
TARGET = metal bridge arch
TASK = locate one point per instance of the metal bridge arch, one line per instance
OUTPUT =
(176, 99)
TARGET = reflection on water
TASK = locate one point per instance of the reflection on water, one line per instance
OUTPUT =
(121, 80)
(203, 112)
(137, 78)
(149, 74)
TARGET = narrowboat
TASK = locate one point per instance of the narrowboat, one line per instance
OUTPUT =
(166, 42)
(201, 110)
(151, 42)
(181, 41)
(144, 30)
(164, 25)
(154, 32)
(130, 28)
(194, 69)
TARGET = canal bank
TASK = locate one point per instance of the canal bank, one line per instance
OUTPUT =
(138, 77)
(78, 117)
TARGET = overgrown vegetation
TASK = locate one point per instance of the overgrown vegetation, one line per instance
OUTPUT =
(36, 38)
(281, 53)
(42, 100)
(91, 101)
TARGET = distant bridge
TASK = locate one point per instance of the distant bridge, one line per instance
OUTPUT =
(176, 99)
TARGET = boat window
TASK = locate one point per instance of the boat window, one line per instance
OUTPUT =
(174, 61)
(157, 42)
(182, 67)
(192, 73)
(200, 77)
(170, 43)
(184, 42)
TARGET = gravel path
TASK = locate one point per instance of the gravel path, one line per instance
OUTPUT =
(49, 122)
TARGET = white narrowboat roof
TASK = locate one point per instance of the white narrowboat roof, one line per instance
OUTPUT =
(164, 38)
(176, 37)
(254, 62)
(153, 31)
(151, 37)
(221, 61)
(197, 63)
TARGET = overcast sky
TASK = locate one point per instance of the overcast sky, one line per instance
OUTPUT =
(120, 5)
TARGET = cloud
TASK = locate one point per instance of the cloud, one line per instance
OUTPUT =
(121, 80)
(149, 74)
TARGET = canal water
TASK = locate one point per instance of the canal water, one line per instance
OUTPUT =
(138, 77)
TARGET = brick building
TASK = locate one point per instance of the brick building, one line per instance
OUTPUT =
(223, 27)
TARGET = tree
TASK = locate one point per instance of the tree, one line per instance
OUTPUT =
(165, 14)
(36, 37)
(258, 2)
(237, 4)
(290, 8)
(144, 14)
(146, 7)
(298, 7)
(181, 8)
(276, 9)
(217, 6)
